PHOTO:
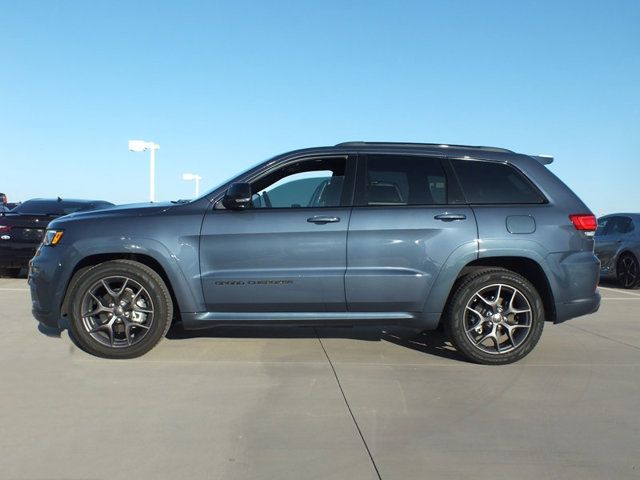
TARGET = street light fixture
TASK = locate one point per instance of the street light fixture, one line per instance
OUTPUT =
(141, 146)
(193, 176)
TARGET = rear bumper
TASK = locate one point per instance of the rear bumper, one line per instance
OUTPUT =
(15, 255)
(577, 308)
(574, 280)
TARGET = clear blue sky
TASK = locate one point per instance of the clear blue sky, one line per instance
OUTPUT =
(223, 85)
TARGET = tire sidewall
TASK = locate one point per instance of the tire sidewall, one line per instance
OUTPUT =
(146, 277)
(635, 261)
(464, 293)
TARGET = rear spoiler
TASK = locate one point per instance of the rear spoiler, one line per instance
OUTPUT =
(543, 159)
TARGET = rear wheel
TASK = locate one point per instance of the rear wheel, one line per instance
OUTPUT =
(119, 309)
(495, 317)
(628, 271)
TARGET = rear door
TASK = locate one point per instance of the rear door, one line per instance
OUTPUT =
(407, 219)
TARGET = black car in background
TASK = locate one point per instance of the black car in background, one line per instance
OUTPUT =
(22, 228)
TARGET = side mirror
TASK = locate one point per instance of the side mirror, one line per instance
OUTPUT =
(238, 197)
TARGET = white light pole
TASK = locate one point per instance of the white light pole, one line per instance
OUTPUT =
(193, 176)
(141, 146)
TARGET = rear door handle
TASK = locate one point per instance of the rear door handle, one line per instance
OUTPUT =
(321, 219)
(450, 217)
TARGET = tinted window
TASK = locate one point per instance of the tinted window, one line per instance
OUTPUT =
(44, 207)
(618, 225)
(306, 184)
(490, 182)
(603, 223)
(614, 226)
(393, 180)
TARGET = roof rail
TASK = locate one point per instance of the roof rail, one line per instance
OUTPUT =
(419, 145)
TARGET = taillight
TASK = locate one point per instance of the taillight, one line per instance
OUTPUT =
(585, 222)
(5, 228)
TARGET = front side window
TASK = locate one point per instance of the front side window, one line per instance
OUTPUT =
(306, 184)
(397, 181)
(495, 183)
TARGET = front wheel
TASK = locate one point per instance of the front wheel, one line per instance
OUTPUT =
(495, 317)
(119, 309)
(627, 271)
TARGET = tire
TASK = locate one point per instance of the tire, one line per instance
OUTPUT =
(628, 271)
(494, 317)
(119, 309)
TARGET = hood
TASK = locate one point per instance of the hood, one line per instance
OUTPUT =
(119, 211)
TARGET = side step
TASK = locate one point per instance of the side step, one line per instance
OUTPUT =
(193, 321)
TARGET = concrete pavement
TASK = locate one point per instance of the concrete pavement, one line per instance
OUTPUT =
(300, 403)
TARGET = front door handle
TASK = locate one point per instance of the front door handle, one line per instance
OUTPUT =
(321, 219)
(450, 217)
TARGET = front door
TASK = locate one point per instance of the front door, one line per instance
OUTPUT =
(287, 253)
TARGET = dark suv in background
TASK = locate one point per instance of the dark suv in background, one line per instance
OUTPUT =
(485, 241)
(22, 228)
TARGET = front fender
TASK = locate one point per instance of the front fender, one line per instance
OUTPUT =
(181, 269)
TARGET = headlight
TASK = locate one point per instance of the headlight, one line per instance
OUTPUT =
(52, 238)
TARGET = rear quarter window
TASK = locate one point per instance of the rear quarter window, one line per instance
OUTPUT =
(495, 183)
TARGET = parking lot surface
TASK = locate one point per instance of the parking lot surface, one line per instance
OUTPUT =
(304, 403)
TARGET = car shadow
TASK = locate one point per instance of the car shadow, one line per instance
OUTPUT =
(431, 342)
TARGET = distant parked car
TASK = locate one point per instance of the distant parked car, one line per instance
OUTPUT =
(618, 248)
(22, 229)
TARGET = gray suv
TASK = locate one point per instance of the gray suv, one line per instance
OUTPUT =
(618, 248)
(486, 242)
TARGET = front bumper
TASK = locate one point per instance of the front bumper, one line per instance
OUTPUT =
(47, 284)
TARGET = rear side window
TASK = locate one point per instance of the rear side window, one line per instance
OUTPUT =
(614, 226)
(392, 180)
(491, 183)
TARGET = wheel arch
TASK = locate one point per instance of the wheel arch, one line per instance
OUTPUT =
(626, 251)
(529, 268)
(99, 258)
